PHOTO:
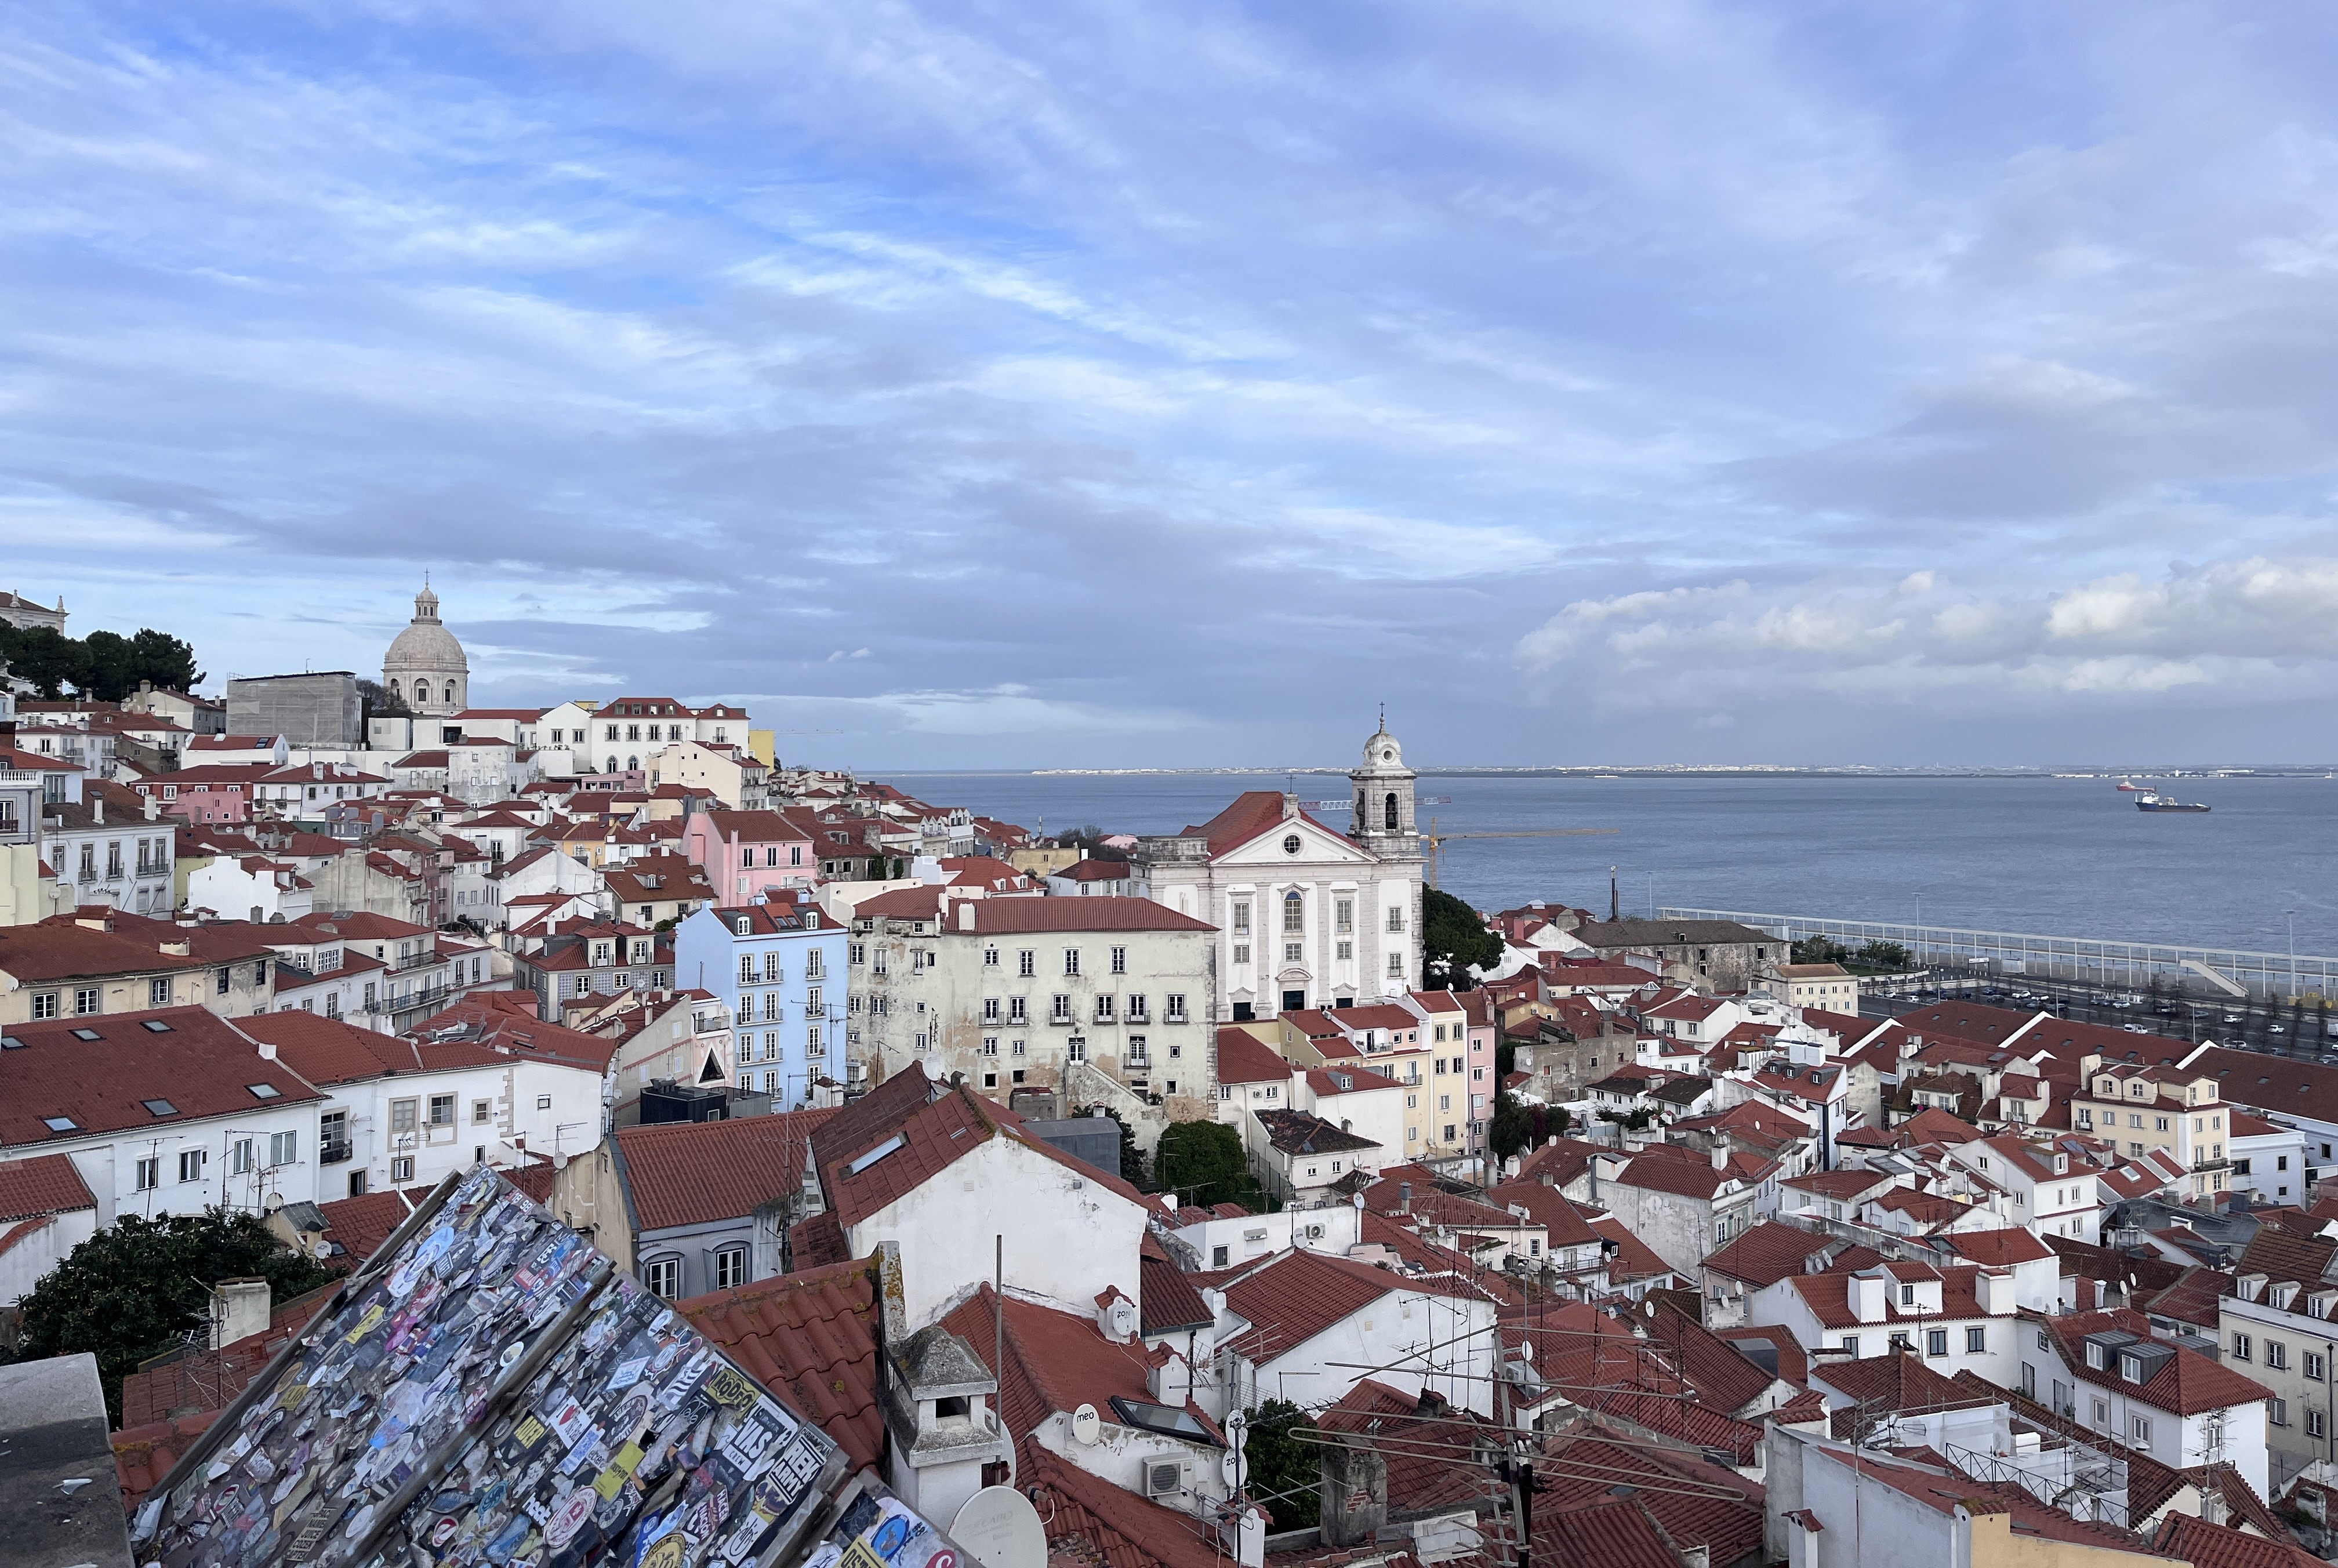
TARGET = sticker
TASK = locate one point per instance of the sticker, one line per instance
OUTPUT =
(570, 1422)
(529, 1432)
(731, 1387)
(568, 1516)
(666, 1554)
(367, 1324)
(625, 1374)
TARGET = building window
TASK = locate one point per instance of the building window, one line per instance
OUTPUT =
(1851, 1344)
(1294, 913)
(442, 1110)
(990, 957)
(1292, 951)
(158, 994)
(1935, 1342)
(1345, 952)
(2316, 1425)
(1242, 953)
(663, 1276)
(1120, 960)
(283, 1148)
(990, 1009)
(44, 1005)
(1396, 918)
(2139, 1429)
(1062, 1012)
(2315, 1366)
(1103, 1009)
(730, 1267)
(1396, 965)
(2276, 1356)
(240, 1159)
(1976, 1342)
(1343, 915)
(402, 1114)
(1173, 1007)
(86, 1000)
(150, 1173)
(191, 1165)
(1076, 1049)
(2240, 1347)
(1071, 961)
(482, 1111)
(1018, 1010)
(2277, 1412)
(990, 1045)
(401, 1168)
(1241, 919)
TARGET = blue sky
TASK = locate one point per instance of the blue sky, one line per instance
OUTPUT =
(1124, 385)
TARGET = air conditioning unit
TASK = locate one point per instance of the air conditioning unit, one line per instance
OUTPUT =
(1167, 1477)
(1315, 1232)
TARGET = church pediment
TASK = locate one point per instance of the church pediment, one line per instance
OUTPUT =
(1316, 846)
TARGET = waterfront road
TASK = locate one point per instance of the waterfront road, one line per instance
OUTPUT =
(2305, 1029)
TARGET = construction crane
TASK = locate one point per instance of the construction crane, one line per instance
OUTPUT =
(1437, 840)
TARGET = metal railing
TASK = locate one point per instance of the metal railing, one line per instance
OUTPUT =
(2093, 960)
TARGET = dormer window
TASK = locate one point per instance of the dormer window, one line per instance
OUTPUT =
(743, 925)
(2131, 1368)
(2094, 1359)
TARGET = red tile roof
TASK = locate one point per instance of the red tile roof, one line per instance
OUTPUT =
(59, 950)
(698, 1172)
(2188, 1384)
(1120, 1529)
(1014, 916)
(1296, 1296)
(1243, 1058)
(2207, 1545)
(809, 1338)
(43, 1185)
(143, 1455)
(197, 1062)
(1252, 813)
(1767, 1253)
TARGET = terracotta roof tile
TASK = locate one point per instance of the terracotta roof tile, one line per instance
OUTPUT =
(809, 1338)
(43, 1185)
(697, 1172)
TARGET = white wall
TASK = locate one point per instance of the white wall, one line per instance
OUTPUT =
(41, 1248)
(1256, 1236)
(1068, 1236)
(1393, 1334)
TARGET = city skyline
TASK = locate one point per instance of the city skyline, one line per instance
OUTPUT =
(1701, 386)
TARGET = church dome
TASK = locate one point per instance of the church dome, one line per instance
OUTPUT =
(1382, 751)
(426, 665)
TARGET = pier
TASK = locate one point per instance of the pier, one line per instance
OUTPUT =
(2092, 960)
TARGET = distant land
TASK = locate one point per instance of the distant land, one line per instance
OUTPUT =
(1699, 771)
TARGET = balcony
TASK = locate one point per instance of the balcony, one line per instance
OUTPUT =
(332, 1153)
(2207, 1165)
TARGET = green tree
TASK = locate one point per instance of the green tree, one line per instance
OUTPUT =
(1281, 1470)
(1820, 950)
(1131, 1157)
(1884, 956)
(107, 665)
(46, 658)
(131, 1290)
(162, 659)
(1202, 1163)
(1452, 939)
(1512, 1127)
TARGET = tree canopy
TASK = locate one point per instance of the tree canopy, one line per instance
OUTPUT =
(130, 1291)
(103, 667)
(1281, 1469)
(1452, 939)
(1204, 1163)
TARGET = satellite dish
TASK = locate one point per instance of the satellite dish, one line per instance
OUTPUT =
(1000, 1529)
(1086, 1427)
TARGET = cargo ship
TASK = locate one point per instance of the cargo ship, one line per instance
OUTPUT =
(2129, 787)
(2161, 803)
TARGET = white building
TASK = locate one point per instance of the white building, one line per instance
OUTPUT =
(2108, 1371)
(1306, 1327)
(2047, 1189)
(1307, 917)
(164, 1112)
(403, 1113)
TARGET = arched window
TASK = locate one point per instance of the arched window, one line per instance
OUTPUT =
(421, 691)
(1391, 811)
(633, 764)
(612, 767)
(1294, 912)
(393, 688)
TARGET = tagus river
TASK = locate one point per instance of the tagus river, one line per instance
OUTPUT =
(2050, 856)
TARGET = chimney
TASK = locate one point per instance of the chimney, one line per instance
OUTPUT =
(97, 805)
(1404, 1196)
(240, 1310)
(966, 915)
(1995, 1290)
(1866, 1296)
(1352, 1496)
(1115, 1315)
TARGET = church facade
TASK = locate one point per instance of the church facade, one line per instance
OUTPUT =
(426, 668)
(1307, 916)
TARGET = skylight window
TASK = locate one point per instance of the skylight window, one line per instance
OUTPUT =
(60, 1124)
(265, 1090)
(889, 1146)
(87, 1034)
(10, 1042)
(1163, 1419)
(160, 1107)
(154, 1026)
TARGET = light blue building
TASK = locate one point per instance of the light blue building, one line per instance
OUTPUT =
(781, 967)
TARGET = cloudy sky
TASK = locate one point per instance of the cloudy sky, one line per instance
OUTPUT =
(1035, 384)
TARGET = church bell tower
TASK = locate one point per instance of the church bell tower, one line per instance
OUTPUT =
(1384, 823)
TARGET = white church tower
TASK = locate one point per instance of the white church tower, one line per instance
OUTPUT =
(1383, 822)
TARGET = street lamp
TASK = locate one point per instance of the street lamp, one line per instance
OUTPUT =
(2292, 953)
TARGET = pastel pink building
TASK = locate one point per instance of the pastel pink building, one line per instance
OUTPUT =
(222, 792)
(743, 853)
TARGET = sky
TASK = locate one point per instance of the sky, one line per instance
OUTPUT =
(1114, 384)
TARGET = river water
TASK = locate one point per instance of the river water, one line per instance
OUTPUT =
(2065, 858)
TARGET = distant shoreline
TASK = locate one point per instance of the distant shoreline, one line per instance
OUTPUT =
(1627, 770)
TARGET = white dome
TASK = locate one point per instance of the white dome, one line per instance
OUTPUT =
(1384, 751)
(426, 665)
